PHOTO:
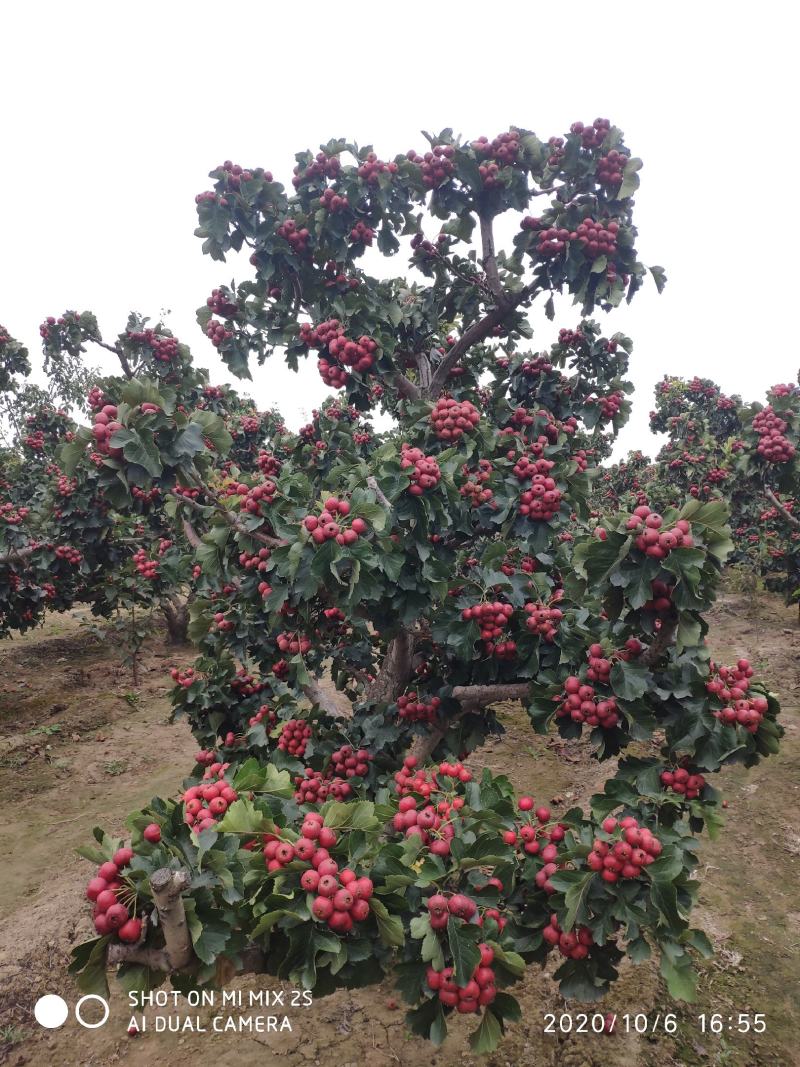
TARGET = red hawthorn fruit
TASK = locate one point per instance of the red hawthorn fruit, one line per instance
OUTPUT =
(152, 833)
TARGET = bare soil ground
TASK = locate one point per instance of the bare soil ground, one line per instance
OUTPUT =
(78, 748)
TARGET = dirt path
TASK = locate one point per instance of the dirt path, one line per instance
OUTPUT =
(112, 751)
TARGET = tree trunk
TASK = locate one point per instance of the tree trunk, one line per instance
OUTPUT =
(176, 614)
(395, 671)
(178, 951)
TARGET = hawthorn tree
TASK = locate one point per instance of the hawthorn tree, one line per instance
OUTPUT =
(721, 448)
(364, 599)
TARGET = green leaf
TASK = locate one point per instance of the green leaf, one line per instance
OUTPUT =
(89, 964)
(464, 950)
(681, 980)
(390, 927)
(630, 178)
(243, 818)
(630, 681)
(138, 449)
(487, 1037)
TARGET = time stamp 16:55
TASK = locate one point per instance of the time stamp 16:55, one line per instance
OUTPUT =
(653, 1024)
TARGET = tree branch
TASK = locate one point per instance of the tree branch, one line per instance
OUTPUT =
(314, 692)
(191, 534)
(477, 332)
(405, 386)
(660, 644)
(231, 519)
(372, 482)
(18, 554)
(781, 508)
(178, 951)
(482, 695)
(123, 360)
(488, 259)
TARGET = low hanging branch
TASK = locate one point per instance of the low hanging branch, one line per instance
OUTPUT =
(178, 952)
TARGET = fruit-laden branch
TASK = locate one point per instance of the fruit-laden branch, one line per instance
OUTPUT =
(231, 520)
(476, 333)
(792, 519)
(663, 640)
(177, 953)
(472, 698)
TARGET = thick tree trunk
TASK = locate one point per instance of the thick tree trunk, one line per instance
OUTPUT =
(176, 614)
(178, 951)
(395, 671)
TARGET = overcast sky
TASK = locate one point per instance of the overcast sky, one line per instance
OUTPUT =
(113, 114)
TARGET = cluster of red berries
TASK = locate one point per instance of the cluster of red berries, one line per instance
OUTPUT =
(610, 167)
(294, 737)
(204, 804)
(661, 600)
(574, 945)
(343, 351)
(542, 501)
(435, 166)
(372, 167)
(452, 419)
(331, 201)
(730, 686)
(581, 704)
(597, 238)
(209, 196)
(256, 560)
(35, 440)
(296, 238)
(422, 470)
(145, 496)
(13, 515)
(633, 847)
(103, 426)
(183, 678)
(683, 782)
(652, 539)
(362, 234)
(221, 304)
(441, 907)
(264, 712)
(233, 175)
(314, 787)
(165, 349)
(254, 496)
(527, 564)
(412, 709)
(293, 643)
(110, 915)
(221, 623)
(492, 618)
(217, 333)
(245, 684)
(774, 446)
(410, 779)
(431, 823)
(475, 487)
(594, 135)
(526, 468)
(599, 667)
(543, 620)
(96, 398)
(610, 405)
(504, 148)
(324, 527)
(148, 568)
(350, 763)
(537, 840)
(269, 464)
(323, 166)
(479, 992)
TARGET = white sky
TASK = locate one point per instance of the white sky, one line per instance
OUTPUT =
(113, 114)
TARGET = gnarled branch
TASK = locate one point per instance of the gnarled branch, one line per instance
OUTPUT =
(178, 951)
(488, 259)
(662, 641)
(315, 693)
(372, 482)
